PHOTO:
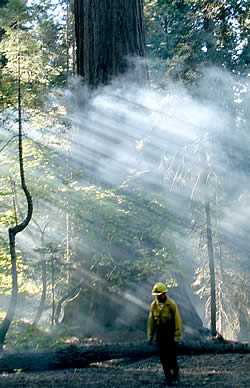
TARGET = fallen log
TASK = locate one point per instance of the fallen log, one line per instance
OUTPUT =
(79, 357)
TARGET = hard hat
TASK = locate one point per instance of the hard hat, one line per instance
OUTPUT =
(159, 288)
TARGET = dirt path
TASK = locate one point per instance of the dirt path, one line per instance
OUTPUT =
(218, 370)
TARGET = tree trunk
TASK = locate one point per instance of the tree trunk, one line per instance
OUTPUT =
(18, 228)
(70, 294)
(80, 357)
(108, 32)
(44, 277)
(43, 296)
(205, 187)
(211, 268)
(52, 291)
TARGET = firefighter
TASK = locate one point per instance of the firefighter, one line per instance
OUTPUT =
(164, 320)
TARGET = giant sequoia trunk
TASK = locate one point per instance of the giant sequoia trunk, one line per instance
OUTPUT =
(108, 32)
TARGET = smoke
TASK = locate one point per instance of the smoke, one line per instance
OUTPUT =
(163, 143)
(123, 129)
(154, 146)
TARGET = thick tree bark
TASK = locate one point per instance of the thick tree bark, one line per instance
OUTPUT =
(80, 357)
(107, 33)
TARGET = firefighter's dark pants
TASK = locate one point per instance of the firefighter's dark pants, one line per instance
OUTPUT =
(168, 356)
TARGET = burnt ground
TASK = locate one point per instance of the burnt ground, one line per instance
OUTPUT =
(207, 370)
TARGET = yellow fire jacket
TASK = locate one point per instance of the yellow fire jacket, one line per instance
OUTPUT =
(165, 317)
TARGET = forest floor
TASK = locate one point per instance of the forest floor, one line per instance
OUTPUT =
(208, 370)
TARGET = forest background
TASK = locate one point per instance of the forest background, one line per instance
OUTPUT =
(116, 207)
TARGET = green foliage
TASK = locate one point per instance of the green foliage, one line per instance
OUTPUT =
(31, 37)
(36, 73)
(14, 14)
(128, 232)
(25, 336)
(185, 36)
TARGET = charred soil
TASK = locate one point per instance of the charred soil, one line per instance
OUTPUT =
(207, 370)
